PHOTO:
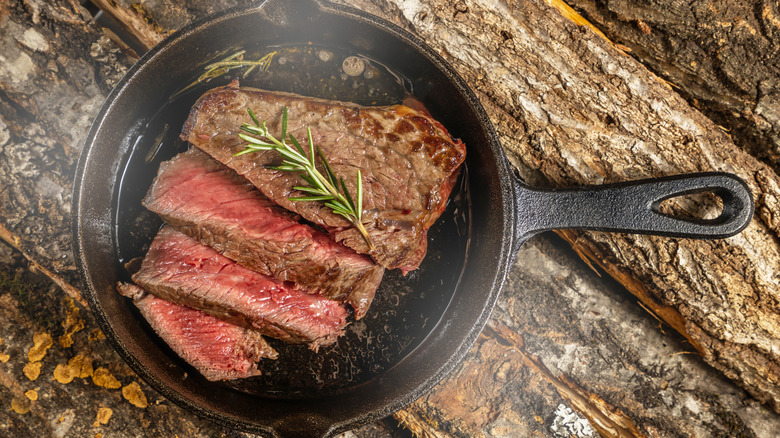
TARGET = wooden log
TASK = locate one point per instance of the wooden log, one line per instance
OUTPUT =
(567, 353)
(151, 21)
(722, 56)
(56, 71)
(572, 109)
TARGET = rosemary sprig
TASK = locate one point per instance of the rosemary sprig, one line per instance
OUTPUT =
(328, 188)
(236, 60)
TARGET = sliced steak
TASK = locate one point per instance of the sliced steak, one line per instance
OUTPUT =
(217, 349)
(408, 160)
(180, 269)
(212, 203)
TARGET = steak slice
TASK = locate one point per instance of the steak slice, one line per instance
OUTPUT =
(210, 202)
(217, 349)
(180, 269)
(408, 161)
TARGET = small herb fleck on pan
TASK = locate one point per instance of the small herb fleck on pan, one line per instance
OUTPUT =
(234, 61)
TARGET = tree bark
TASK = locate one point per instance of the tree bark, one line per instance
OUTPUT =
(152, 20)
(564, 338)
(57, 70)
(59, 376)
(722, 56)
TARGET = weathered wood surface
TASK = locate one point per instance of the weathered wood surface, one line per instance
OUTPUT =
(723, 56)
(56, 71)
(152, 20)
(562, 339)
(60, 377)
(597, 353)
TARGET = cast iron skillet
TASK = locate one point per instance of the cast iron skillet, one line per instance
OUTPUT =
(421, 325)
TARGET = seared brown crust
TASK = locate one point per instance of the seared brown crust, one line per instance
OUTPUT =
(407, 159)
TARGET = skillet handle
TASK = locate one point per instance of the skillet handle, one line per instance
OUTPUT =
(632, 207)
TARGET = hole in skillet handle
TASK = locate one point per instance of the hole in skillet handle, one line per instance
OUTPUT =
(704, 205)
(634, 207)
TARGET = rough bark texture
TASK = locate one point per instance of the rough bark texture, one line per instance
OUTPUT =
(56, 71)
(562, 337)
(723, 56)
(567, 353)
(152, 20)
(572, 109)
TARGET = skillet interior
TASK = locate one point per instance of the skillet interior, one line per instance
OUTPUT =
(419, 326)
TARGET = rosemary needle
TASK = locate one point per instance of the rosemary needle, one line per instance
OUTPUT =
(328, 188)
(234, 61)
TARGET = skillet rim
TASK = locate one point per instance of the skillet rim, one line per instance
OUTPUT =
(502, 261)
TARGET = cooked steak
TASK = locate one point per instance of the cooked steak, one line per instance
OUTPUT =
(212, 203)
(180, 269)
(217, 349)
(408, 160)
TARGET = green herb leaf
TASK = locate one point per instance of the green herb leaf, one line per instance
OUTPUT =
(311, 198)
(346, 194)
(311, 146)
(283, 168)
(256, 141)
(253, 116)
(297, 145)
(328, 170)
(322, 188)
(308, 179)
(312, 190)
(284, 122)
